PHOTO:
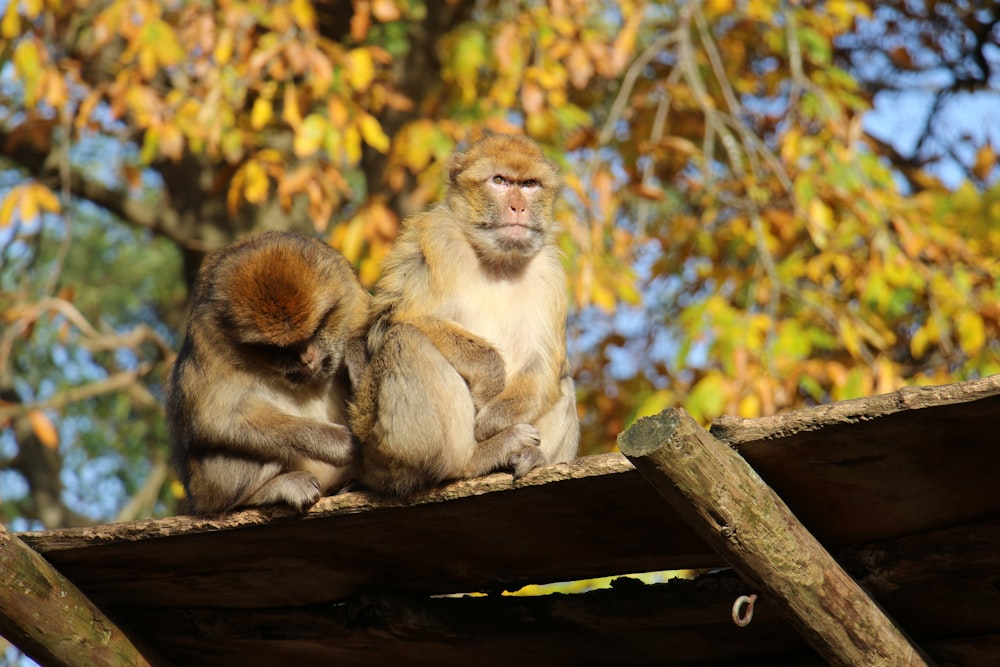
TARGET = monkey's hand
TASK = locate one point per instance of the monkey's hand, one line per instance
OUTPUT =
(269, 434)
(501, 413)
(515, 449)
(338, 446)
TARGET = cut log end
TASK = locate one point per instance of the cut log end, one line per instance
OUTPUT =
(650, 433)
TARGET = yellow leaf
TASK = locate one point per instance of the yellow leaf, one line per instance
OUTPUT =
(261, 113)
(224, 47)
(168, 51)
(760, 10)
(28, 65)
(43, 428)
(309, 137)
(337, 112)
(290, 113)
(971, 332)
(360, 69)
(719, 7)
(985, 160)
(257, 184)
(373, 134)
(29, 206)
(354, 238)
(352, 145)
(749, 406)
(850, 338)
(171, 141)
(655, 403)
(468, 56)
(45, 198)
(32, 8)
(55, 89)
(821, 222)
(923, 338)
(602, 297)
(10, 27)
(707, 398)
(303, 13)
(7, 209)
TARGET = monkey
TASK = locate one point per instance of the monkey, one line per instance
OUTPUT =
(256, 401)
(468, 372)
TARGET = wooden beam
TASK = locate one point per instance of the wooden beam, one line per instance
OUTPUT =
(48, 618)
(723, 499)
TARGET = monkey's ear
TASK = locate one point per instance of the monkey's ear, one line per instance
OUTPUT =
(356, 359)
(456, 165)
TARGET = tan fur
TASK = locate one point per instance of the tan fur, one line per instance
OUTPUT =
(257, 399)
(469, 372)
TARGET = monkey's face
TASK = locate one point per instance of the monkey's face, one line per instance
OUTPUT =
(306, 362)
(504, 189)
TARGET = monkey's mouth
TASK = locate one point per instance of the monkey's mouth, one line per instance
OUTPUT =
(518, 231)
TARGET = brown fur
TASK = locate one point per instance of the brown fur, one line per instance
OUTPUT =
(469, 372)
(256, 401)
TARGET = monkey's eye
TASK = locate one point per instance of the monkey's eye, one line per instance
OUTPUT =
(530, 183)
(499, 180)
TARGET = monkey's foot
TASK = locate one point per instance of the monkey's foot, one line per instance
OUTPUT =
(299, 490)
(505, 451)
(526, 460)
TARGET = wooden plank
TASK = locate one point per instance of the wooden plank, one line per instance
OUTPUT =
(567, 521)
(942, 583)
(730, 506)
(938, 585)
(861, 481)
(50, 620)
(884, 466)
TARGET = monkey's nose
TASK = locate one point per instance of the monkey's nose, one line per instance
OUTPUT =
(310, 357)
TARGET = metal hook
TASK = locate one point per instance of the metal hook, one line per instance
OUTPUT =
(743, 610)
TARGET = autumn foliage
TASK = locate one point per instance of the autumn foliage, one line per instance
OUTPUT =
(736, 241)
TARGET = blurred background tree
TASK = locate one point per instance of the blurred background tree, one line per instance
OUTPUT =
(768, 204)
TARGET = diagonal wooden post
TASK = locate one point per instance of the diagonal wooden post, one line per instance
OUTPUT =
(745, 521)
(50, 619)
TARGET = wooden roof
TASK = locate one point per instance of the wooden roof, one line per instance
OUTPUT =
(903, 489)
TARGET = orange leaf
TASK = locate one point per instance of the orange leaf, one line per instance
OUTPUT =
(44, 429)
(385, 10)
(361, 20)
(985, 159)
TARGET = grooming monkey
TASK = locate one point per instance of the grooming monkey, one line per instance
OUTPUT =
(256, 401)
(468, 371)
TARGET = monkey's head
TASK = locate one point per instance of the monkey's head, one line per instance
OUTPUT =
(503, 189)
(286, 303)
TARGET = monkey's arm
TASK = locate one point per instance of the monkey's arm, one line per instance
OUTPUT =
(264, 432)
(526, 396)
(472, 357)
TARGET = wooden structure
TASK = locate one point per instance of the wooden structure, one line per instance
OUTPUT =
(901, 489)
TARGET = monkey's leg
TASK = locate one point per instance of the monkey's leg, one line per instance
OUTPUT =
(298, 489)
(559, 428)
(515, 448)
